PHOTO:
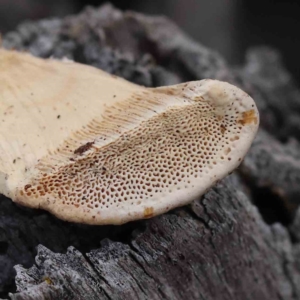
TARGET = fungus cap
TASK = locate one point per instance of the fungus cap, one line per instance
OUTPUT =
(93, 148)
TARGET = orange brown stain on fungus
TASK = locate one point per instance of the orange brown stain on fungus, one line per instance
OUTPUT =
(235, 138)
(148, 212)
(227, 151)
(248, 117)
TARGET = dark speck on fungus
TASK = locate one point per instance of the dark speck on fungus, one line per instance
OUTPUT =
(83, 148)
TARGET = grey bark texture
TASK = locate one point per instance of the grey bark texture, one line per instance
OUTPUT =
(241, 240)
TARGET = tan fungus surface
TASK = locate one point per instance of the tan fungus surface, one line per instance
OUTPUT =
(109, 151)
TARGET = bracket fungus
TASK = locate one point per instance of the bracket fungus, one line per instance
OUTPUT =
(93, 148)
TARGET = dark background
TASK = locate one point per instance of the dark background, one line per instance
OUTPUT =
(228, 26)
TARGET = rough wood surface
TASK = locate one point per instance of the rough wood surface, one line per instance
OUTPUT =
(227, 245)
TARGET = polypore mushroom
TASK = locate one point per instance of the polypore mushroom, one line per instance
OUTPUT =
(93, 148)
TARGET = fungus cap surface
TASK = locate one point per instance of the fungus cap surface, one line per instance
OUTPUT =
(93, 148)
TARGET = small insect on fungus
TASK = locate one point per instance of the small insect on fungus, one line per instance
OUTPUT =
(93, 148)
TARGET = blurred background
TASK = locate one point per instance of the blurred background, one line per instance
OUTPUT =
(228, 26)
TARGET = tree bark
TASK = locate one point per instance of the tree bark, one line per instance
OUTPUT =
(239, 241)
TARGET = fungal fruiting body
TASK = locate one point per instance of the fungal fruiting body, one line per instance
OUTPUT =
(93, 148)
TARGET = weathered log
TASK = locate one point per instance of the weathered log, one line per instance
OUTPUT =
(272, 169)
(219, 247)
